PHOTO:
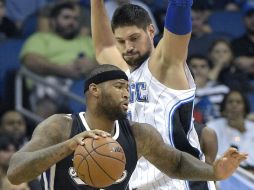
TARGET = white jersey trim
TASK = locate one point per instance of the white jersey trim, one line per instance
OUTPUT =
(83, 119)
(172, 111)
(52, 176)
(46, 185)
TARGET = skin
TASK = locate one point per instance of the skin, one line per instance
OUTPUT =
(209, 144)
(199, 27)
(221, 56)
(235, 111)
(41, 153)
(166, 64)
(8, 186)
(200, 70)
(13, 123)
(5, 156)
(247, 62)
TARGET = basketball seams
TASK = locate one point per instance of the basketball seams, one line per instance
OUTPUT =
(91, 154)
(109, 156)
(89, 171)
(84, 159)
(103, 144)
(95, 148)
(102, 169)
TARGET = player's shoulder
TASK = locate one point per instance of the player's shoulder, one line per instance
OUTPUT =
(57, 124)
(141, 129)
(60, 118)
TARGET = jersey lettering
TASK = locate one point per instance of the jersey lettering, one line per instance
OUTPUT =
(138, 92)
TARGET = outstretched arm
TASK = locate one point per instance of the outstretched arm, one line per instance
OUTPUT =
(48, 145)
(177, 164)
(103, 38)
(171, 53)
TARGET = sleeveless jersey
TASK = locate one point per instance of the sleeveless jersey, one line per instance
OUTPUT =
(62, 176)
(170, 112)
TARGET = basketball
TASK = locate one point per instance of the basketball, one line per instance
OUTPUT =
(99, 162)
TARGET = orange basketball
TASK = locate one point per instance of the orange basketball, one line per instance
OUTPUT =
(100, 162)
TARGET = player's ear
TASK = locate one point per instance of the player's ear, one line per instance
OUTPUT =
(151, 30)
(94, 89)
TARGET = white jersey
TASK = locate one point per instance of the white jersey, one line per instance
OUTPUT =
(170, 112)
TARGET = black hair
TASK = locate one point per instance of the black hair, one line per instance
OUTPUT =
(198, 56)
(56, 10)
(215, 42)
(130, 15)
(245, 102)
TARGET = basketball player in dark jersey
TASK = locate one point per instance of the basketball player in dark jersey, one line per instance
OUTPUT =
(55, 139)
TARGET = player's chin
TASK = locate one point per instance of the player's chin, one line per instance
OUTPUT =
(130, 59)
(123, 112)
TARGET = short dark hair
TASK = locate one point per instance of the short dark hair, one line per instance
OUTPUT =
(245, 102)
(198, 56)
(56, 10)
(129, 15)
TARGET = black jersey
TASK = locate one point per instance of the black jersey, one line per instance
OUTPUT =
(62, 176)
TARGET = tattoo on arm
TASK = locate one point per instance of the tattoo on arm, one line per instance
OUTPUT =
(172, 162)
(46, 147)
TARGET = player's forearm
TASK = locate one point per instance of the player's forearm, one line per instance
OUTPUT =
(25, 166)
(101, 28)
(193, 169)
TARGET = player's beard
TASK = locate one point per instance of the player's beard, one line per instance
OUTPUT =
(110, 108)
(137, 62)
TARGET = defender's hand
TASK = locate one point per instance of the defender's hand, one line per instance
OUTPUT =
(228, 163)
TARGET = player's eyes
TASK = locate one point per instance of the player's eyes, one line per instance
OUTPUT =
(133, 39)
(118, 87)
(120, 41)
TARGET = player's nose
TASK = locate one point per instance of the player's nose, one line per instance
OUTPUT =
(126, 94)
(129, 47)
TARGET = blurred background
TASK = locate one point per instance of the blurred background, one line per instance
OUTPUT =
(46, 52)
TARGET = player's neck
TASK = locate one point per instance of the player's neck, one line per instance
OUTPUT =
(98, 121)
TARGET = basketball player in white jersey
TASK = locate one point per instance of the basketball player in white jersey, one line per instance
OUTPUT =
(162, 89)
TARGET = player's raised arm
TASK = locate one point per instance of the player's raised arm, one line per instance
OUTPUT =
(171, 52)
(48, 145)
(177, 164)
(103, 38)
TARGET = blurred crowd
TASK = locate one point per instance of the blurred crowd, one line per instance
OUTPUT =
(52, 39)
